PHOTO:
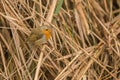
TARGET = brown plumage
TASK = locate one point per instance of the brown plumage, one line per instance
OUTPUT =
(39, 36)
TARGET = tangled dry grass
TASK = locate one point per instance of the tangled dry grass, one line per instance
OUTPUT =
(85, 42)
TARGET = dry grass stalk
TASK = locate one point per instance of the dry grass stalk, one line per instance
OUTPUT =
(85, 42)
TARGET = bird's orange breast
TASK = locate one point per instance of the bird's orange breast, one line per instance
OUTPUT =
(47, 33)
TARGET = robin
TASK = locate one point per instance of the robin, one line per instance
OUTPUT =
(39, 36)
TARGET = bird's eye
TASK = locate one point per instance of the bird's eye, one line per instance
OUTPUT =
(46, 29)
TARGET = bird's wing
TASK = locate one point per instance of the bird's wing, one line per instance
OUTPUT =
(37, 31)
(32, 38)
(40, 35)
(40, 41)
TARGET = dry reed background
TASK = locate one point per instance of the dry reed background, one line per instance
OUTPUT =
(85, 42)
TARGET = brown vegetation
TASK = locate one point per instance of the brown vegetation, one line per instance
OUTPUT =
(85, 42)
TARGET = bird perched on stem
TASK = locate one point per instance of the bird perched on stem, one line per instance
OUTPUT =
(39, 35)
